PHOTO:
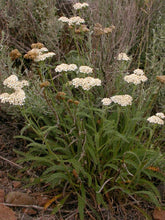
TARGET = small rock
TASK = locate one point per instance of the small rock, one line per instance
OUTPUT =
(19, 198)
(29, 211)
(6, 213)
(16, 184)
(159, 214)
(2, 195)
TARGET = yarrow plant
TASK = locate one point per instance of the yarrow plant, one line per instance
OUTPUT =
(82, 146)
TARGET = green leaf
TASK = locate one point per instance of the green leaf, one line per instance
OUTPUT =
(149, 196)
(81, 202)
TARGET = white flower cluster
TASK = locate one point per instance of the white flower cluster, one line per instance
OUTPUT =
(136, 78)
(122, 100)
(123, 56)
(17, 97)
(138, 72)
(64, 19)
(38, 54)
(42, 57)
(106, 101)
(78, 5)
(157, 119)
(65, 67)
(13, 82)
(72, 21)
(160, 115)
(86, 83)
(85, 69)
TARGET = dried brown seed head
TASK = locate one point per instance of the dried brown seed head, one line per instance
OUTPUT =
(61, 95)
(161, 79)
(15, 54)
(37, 45)
(44, 84)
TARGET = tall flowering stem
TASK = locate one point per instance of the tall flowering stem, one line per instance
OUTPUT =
(50, 103)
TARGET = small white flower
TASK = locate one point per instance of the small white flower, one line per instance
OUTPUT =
(64, 19)
(138, 72)
(72, 67)
(76, 82)
(122, 100)
(76, 20)
(86, 83)
(4, 97)
(160, 115)
(17, 98)
(10, 81)
(106, 101)
(65, 67)
(78, 5)
(155, 120)
(43, 49)
(135, 79)
(85, 69)
(123, 56)
(62, 68)
(44, 56)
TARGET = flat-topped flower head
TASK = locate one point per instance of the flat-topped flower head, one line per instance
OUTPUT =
(106, 101)
(76, 21)
(123, 56)
(155, 120)
(4, 97)
(86, 83)
(85, 69)
(10, 81)
(62, 68)
(72, 67)
(17, 98)
(160, 115)
(65, 67)
(138, 72)
(122, 100)
(13, 82)
(64, 19)
(20, 84)
(78, 6)
(135, 79)
(44, 56)
(76, 82)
